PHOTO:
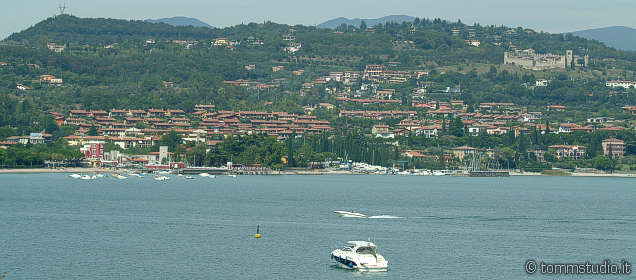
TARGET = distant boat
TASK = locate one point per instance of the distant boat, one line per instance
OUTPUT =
(75, 176)
(204, 174)
(100, 175)
(189, 177)
(212, 176)
(119, 176)
(161, 178)
(350, 214)
(232, 175)
(85, 177)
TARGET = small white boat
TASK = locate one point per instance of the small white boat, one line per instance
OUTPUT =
(360, 255)
(161, 178)
(189, 177)
(100, 175)
(350, 214)
(204, 174)
(85, 177)
(136, 175)
(212, 176)
(75, 176)
(93, 177)
(164, 172)
(232, 175)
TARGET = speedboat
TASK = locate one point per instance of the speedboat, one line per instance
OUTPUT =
(85, 177)
(204, 174)
(75, 176)
(360, 255)
(350, 214)
(119, 176)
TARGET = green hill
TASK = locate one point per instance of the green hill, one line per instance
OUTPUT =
(181, 21)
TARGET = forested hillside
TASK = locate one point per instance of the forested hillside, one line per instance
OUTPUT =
(440, 74)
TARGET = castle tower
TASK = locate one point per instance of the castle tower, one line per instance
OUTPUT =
(569, 59)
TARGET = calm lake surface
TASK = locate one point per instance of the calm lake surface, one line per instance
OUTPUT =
(56, 227)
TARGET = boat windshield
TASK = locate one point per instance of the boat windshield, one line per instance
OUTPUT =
(365, 250)
(347, 249)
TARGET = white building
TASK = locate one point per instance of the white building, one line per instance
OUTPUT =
(541, 83)
(620, 83)
(474, 43)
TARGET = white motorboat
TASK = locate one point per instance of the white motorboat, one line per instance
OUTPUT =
(161, 178)
(136, 175)
(119, 176)
(85, 177)
(100, 175)
(189, 177)
(360, 255)
(232, 175)
(212, 176)
(204, 175)
(75, 176)
(350, 214)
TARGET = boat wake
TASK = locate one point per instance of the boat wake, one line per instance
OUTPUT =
(385, 217)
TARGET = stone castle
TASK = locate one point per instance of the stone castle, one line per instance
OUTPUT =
(529, 59)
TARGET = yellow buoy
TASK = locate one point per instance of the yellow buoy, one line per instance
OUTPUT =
(257, 234)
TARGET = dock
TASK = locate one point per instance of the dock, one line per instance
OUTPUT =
(490, 173)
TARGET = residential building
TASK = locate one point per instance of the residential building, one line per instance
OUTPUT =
(621, 83)
(463, 152)
(613, 147)
(383, 131)
(569, 151)
(541, 83)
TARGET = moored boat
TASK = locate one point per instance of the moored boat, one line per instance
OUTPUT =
(360, 255)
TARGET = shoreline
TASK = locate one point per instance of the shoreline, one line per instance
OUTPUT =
(56, 170)
(304, 172)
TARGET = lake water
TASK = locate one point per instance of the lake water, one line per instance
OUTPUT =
(56, 227)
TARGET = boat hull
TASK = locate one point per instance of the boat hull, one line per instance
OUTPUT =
(347, 214)
(351, 264)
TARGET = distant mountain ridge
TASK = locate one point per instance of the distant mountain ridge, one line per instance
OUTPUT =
(181, 21)
(620, 37)
(333, 23)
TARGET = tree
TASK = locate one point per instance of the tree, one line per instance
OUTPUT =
(290, 150)
(92, 131)
(603, 163)
(457, 127)
(171, 139)
(363, 26)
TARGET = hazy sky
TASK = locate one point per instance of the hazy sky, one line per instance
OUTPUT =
(542, 15)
